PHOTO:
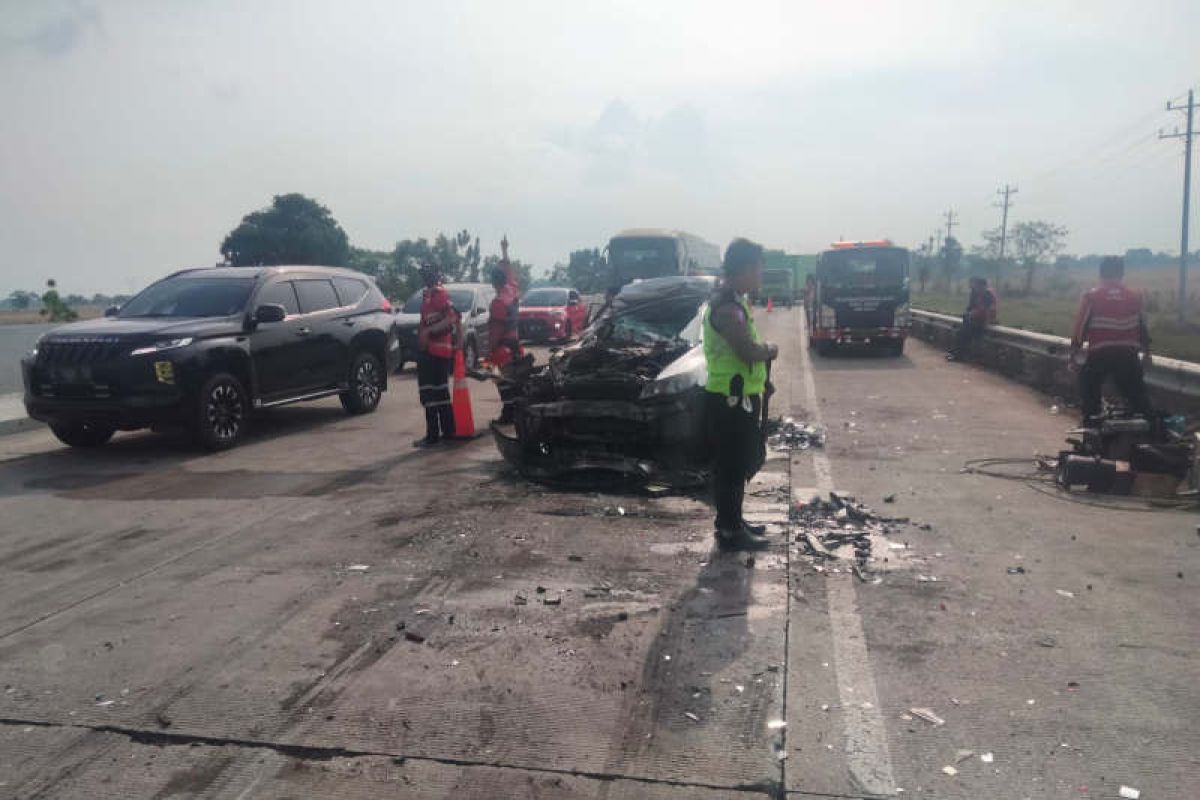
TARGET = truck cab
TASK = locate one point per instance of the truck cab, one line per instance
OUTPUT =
(860, 296)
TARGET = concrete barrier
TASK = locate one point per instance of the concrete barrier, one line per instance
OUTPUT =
(1040, 360)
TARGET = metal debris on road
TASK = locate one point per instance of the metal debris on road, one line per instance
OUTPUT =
(691, 716)
(1018, 570)
(413, 636)
(787, 434)
(1064, 593)
(927, 715)
(358, 567)
(520, 600)
(776, 724)
(840, 527)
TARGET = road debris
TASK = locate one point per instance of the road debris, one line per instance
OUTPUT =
(520, 600)
(691, 716)
(927, 715)
(987, 758)
(413, 636)
(842, 528)
(776, 724)
(1130, 793)
(1064, 593)
(787, 434)
(1017, 570)
(358, 567)
(962, 755)
(951, 771)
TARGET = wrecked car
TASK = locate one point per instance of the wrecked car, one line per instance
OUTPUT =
(627, 398)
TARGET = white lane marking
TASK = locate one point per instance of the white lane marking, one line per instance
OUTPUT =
(867, 752)
(11, 407)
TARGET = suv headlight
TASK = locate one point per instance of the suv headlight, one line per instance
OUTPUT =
(828, 317)
(665, 387)
(38, 343)
(165, 344)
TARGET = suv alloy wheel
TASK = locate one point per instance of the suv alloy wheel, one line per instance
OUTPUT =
(222, 412)
(366, 385)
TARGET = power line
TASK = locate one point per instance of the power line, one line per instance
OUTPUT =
(1187, 137)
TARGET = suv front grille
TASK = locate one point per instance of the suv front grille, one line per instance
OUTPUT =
(78, 352)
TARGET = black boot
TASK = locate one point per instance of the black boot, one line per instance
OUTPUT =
(754, 530)
(739, 540)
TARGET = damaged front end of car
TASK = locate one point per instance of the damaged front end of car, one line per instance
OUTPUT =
(627, 400)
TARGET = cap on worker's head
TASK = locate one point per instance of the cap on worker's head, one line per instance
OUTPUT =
(741, 255)
(1112, 267)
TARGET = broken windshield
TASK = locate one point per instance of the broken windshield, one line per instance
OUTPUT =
(865, 267)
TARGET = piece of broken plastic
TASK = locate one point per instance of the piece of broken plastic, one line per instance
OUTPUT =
(1130, 793)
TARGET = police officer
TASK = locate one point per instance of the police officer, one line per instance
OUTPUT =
(503, 335)
(1112, 323)
(435, 359)
(737, 380)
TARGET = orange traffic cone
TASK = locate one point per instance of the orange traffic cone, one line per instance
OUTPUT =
(464, 420)
(770, 304)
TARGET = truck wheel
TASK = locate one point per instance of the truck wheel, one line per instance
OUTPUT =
(83, 434)
(222, 412)
(366, 385)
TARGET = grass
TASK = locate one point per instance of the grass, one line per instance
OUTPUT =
(32, 317)
(1053, 311)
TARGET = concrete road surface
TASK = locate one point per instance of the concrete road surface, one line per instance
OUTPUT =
(325, 612)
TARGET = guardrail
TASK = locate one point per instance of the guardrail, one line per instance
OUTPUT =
(1040, 359)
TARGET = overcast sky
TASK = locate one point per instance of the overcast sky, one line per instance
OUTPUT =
(134, 135)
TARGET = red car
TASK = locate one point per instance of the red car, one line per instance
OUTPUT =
(551, 314)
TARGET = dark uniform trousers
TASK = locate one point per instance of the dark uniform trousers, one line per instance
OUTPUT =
(736, 441)
(1123, 365)
(433, 386)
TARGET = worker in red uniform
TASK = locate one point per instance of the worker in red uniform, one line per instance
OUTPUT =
(435, 359)
(1112, 323)
(503, 336)
(981, 312)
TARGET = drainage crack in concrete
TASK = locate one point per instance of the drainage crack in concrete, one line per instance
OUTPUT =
(322, 753)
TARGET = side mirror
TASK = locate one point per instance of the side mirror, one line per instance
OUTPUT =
(270, 313)
(112, 311)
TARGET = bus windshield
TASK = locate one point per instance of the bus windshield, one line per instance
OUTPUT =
(864, 267)
(648, 257)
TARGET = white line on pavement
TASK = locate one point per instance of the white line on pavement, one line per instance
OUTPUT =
(867, 752)
(11, 407)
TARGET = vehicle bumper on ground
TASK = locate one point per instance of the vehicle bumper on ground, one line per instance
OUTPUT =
(660, 440)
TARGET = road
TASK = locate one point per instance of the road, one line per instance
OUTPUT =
(325, 612)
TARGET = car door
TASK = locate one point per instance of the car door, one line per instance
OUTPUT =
(576, 311)
(277, 347)
(480, 315)
(320, 330)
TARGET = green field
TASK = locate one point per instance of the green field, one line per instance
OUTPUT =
(1055, 313)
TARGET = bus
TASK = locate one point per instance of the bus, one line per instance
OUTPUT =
(860, 296)
(655, 252)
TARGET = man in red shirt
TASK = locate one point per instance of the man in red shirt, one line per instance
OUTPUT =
(1112, 323)
(503, 336)
(980, 313)
(435, 361)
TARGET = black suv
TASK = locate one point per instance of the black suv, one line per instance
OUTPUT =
(206, 347)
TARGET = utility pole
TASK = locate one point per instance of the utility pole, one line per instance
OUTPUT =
(1187, 192)
(1007, 192)
(950, 222)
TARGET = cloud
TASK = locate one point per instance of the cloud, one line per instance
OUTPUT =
(66, 32)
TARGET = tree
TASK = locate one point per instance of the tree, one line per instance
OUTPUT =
(524, 271)
(586, 270)
(53, 307)
(294, 229)
(950, 260)
(1035, 243)
(20, 301)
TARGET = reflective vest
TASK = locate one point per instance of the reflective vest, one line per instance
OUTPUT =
(503, 335)
(1110, 315)
(436, 306)
(723, 363)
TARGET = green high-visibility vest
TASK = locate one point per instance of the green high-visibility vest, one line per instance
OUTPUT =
(724, 363)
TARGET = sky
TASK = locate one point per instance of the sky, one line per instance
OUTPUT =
(136, 133)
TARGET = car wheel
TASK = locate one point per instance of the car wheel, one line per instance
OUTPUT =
(366, 385)
(83, 434)
(470, 354)
(222, 412)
